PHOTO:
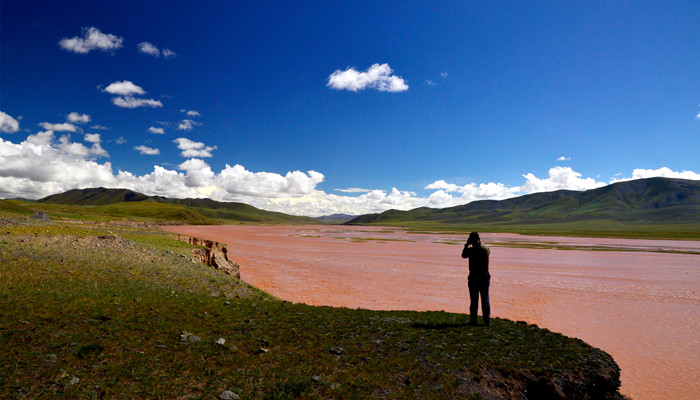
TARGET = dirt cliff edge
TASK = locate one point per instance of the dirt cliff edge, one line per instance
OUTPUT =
(214, 254)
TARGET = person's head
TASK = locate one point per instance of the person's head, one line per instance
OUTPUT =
(474, 238)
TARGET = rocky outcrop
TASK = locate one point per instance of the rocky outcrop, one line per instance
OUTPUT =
(214, 254)
(41, 215)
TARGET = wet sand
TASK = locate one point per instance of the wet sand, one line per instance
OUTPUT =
(639, 304)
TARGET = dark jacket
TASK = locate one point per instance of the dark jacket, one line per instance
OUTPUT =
(478, 256)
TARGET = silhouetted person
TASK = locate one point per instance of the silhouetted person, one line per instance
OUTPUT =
(479, 278)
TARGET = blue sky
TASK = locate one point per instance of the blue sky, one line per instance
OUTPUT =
(349, 107)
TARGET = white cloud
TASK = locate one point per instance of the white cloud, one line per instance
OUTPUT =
(563, 158)
(97, 150)
(663, 172)
(429, 82)
(167, 53)
(76, 118)
(442, 185)
(444, 74)
(79, 149)
(199, 173)
(158, 131)
(8, 124)
(99, 127)
(42, 165)
(238, 181)
(191, 113)
(64, 127)
(559, 178)
(133, 102)
(354, 190)
(187, 125)
(378, 76)
(41, 138)
(148, 48)
(192, 149)
(124, 88)
(147, 150)
(120, 140)
(93, 138)
(92, 39)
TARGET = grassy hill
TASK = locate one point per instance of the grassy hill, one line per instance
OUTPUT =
(102, 311)
(646, 207)
(11, 206)
(127, 203)
(94, 197)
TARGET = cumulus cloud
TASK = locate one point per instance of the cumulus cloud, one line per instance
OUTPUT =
(99, 127)
(76, 118)
(79, 149)
(378, 76)
(187, 125)
(147, 150)
(158, 131)
(444, 74)
(191, 113)
(133, 102)
(7, 123)
(199, 173)
(559, 178)
(663, 172)
(64, 127)
(43, 165)
(124, 88)
(148, 48)
(126, 99)
(92, 39)
(192, 149)
(354, 190)
(93, 138)
(563, 158)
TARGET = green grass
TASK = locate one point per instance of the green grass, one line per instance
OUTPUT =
(97, 311)
(12, 207)
(143, 211)
(575, 229)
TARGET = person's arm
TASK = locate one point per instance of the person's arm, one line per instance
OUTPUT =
(465, 251)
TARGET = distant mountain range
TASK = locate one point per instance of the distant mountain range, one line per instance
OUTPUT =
(671, 206)
(338, 218)
(631, 205)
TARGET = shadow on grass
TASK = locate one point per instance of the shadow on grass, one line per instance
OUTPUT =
(422, 325)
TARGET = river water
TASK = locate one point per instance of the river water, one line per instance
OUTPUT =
(639, 300)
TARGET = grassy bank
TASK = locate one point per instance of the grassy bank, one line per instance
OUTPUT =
(99, 311)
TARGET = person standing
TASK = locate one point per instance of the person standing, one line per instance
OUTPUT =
(479, 278)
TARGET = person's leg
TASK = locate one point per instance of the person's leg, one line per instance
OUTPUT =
(485, 302)
(473, 302)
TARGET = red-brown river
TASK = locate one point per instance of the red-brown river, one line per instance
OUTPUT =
(639, 300)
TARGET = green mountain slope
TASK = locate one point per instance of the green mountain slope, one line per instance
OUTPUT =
(94, 197)
(12, 207)
(639, 204)
(126, 202)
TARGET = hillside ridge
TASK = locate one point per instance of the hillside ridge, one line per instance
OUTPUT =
(202, 209)
(649, 201)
